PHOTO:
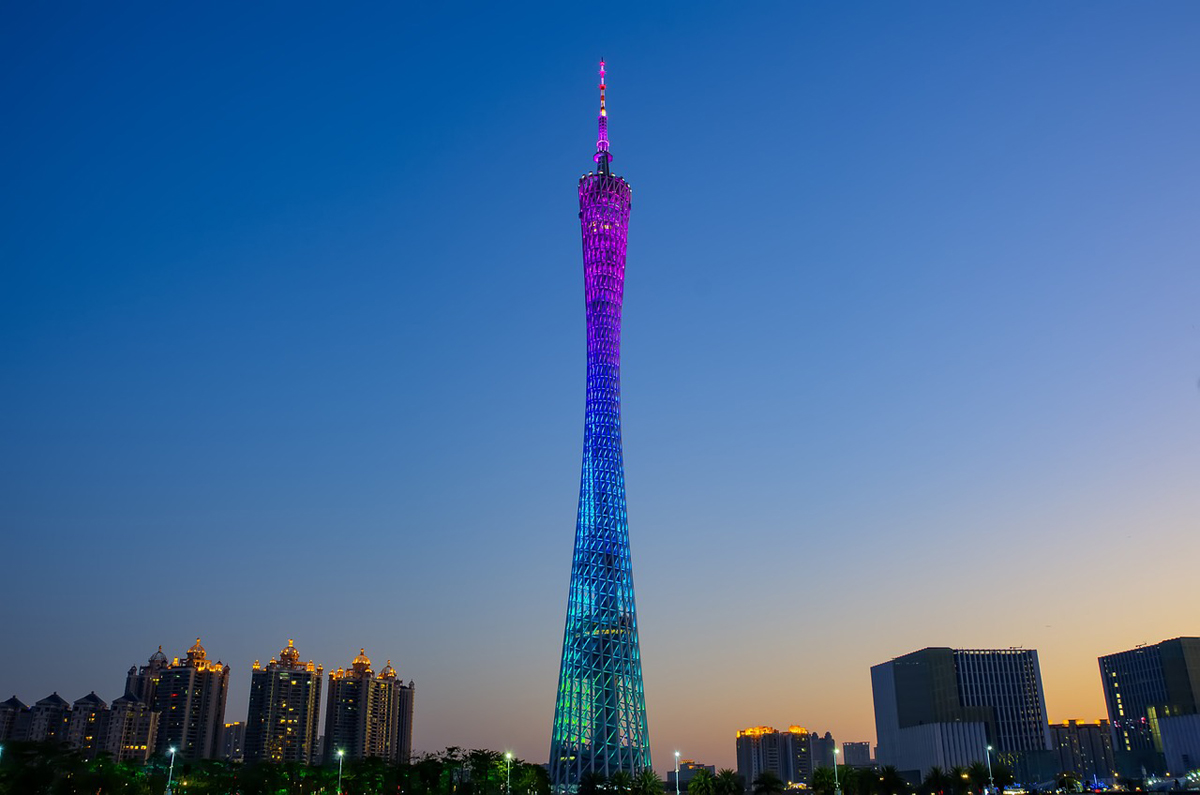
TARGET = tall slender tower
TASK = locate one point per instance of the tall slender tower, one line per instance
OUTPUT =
(600, 711)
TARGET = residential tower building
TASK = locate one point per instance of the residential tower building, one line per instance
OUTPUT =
(285, 702)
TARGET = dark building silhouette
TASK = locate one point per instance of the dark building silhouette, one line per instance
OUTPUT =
(368, 715)
(190, 696)
(1084, 748)
(285, 702)
(762, 749)
(1152, 694)
(943, 707)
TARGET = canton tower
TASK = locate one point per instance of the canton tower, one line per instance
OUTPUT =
(600, 710)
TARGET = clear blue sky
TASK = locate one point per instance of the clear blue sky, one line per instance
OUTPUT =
(292, 343)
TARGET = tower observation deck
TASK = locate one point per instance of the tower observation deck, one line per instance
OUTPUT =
(600, 709)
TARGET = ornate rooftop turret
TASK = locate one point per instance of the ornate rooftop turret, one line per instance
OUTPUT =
(290, 656)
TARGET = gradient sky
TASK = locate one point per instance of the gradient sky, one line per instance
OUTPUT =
(292, 343)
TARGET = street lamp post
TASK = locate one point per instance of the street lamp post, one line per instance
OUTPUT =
(341, 756)
(508, 773)
(676, 773)
(837, 787)
(991, 781)
(170, 771)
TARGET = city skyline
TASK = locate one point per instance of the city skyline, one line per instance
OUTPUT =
(911, 330)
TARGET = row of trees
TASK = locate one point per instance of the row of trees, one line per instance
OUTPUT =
(52, 769)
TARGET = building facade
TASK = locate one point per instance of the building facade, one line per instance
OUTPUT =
(14, 720)
(944, 707)
(1152, 694)
(1085, 749)
(285, 702)
(856, 754)
(762, 749)
(368, 715)
(190, 696)
(233, 742)
(131, 729)
(49, 720)
(600, 708)
(142, 682)
(688, 768)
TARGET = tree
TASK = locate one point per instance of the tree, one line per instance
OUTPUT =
(960, 780)
(937, 782)
(647, 782)
(1069, 780)
(892, 783)
(729, 782)
(620, 783)
(823, 781)
(767, 783)
(978, 773)
(592, 783)
(702, 783)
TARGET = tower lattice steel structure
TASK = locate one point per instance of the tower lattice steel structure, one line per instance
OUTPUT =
(600, 711)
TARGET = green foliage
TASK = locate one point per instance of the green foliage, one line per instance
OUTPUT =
(729, 782)
(767, 783)
(50, 769)
(702, 783)
(647, 782)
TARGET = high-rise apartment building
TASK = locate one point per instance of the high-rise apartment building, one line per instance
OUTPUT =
(943, 707)
(285, 702)
(856, 754)
(49, 720)
(130, 731)
(190, 696)
(368, 715)
(822, 747)
(233, 742)
(1086, 749)
(86, 723)
(788, 754)
(688, 768)
(1153, 694)
(142, 682)
(600, 708)
(14, 719)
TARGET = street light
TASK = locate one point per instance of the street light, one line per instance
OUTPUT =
(676, 773)
(170, 771)
(508, 773)
(837, 787)
(341, 755)
(991, 781)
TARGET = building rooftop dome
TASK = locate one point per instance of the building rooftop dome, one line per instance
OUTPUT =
(197, 651)
(388, 671)
(159, 657)
(290, 656)
(362, 660)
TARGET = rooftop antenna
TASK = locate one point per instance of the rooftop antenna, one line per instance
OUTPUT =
(603, 158)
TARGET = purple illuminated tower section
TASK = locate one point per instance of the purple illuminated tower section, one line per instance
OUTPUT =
(600, 710)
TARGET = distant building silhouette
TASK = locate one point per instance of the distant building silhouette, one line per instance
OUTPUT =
(14, 720)
(1153, 699)
(131, 729)
(687, 770)
(190, 695)
(856, 754)
(87, 721)
(943, 707)
(48, 720)
(1084, 748)
(233, 743)
(285, 702)
(368, 715)
(786, 754)
(143, 683)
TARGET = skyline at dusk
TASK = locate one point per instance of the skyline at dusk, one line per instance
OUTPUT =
(293, 347)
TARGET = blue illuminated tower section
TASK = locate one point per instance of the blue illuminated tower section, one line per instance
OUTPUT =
(600, 711)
